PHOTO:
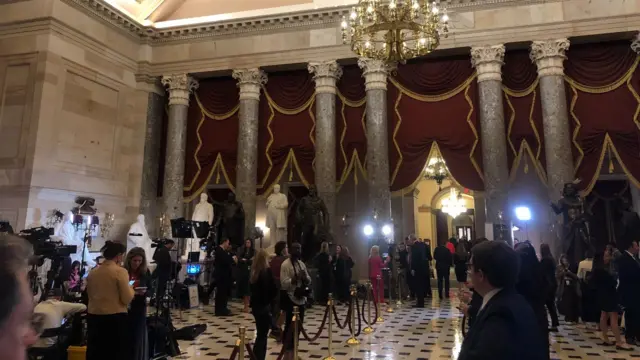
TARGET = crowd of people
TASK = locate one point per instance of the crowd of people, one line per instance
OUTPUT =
(512, 297)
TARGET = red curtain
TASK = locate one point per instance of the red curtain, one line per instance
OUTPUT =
(286, 129)
(212, 136)
(523, 114)
(434, 101)
(603, 81)
(351, 147)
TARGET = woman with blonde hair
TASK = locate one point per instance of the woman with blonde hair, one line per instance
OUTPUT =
(263, 286)
(376, 264)
(139, 275)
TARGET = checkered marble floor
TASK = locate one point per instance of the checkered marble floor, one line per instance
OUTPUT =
(412, 334)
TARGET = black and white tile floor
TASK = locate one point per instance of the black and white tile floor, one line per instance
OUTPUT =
(412, 334)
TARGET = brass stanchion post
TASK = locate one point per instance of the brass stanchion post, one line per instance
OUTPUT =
(296, 316)
(241, 335)
(354, 313)
(399, 302)
(390, 304)
(378, 299)
(368, 329)
(330, 305)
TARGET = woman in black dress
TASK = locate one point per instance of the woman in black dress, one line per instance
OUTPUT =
(460, 263)
(605, 284)
(342, 272)
(245, 258)
(136, 265)
(323, 264)
(548, 265)
(262, 283)
(569, 294)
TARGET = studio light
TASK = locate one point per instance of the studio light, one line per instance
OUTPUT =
(523, 213)
(367, 230)
(386, 230)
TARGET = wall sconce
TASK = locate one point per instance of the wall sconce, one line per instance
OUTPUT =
(107, 224)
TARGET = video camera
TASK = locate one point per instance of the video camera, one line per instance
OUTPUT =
(43, 246)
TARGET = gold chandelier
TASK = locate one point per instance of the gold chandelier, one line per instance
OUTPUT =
(395, 30)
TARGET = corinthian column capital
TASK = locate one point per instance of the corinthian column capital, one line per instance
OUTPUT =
(250, 81)
(549, 56)
(375, 73)
(325, 74)
(488, 62)
(180, 86)
(635, 44)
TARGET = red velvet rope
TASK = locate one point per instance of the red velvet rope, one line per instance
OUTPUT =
(324, 321)
(375, 308)
(234, 353)
(335, 315)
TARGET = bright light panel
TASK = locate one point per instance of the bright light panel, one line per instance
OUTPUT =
(367, 230)
(523, 213)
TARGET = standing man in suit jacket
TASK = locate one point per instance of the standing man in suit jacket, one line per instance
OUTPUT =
(223, 267)
(444, 260)
(419, 269)
(502, 329)
(629, 291)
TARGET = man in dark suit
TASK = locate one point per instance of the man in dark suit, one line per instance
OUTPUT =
(427, 244)
(444, 260)
(223, 266)
(629, 290)
(502, 329)
(419, 269)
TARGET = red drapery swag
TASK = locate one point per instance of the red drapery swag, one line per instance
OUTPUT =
(432, 106)
(523, 114)
(351, 146)
(602, 85)
(212, 136)
(286, 126)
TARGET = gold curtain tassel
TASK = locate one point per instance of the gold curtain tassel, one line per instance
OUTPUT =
(218, 176)
(355, 176)
(526, 165)
(290, 173)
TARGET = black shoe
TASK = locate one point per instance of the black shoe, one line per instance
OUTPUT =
(223, 313)
(631, 341)
(418, 306)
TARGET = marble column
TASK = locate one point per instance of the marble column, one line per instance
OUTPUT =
(549, 56)
(488, 62)
(375, 79)
(180, 86)
(151, 160)
(250, 82)
(325, 74)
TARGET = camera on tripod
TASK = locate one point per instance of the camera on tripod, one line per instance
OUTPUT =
(43, 246)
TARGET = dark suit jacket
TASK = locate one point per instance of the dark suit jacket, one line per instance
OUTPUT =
(443, 258)
(629, 276)
(223, 267)
(503, 331)
(419, 262)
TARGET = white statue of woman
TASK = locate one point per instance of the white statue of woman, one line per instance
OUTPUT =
(277, 205)
(204, 213)
(139, 237)
(68, 235)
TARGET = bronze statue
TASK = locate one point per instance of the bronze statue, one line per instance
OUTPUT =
(312, 217)
(232, 221)
(576, 241)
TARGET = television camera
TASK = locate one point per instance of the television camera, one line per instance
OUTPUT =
(46, 248)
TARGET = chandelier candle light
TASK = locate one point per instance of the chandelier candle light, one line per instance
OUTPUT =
(436, 170)
(395, 30)
(454, 205)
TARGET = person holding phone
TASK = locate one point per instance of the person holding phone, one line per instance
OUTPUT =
(109, 295)
(140, 280)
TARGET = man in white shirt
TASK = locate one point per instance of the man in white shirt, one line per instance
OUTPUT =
(54, 312)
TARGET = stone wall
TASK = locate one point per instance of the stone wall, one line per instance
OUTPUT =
(72, 116)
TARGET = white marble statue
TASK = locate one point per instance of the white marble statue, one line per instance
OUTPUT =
(277, 205)
(69, 236)
(203, 212)
(141, 239)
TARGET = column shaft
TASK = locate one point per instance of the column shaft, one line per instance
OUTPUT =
(249, 82)
(180, 86)
(549, 56)
(151, 161)
(325, 76)
(488, 62)
(375, 74)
